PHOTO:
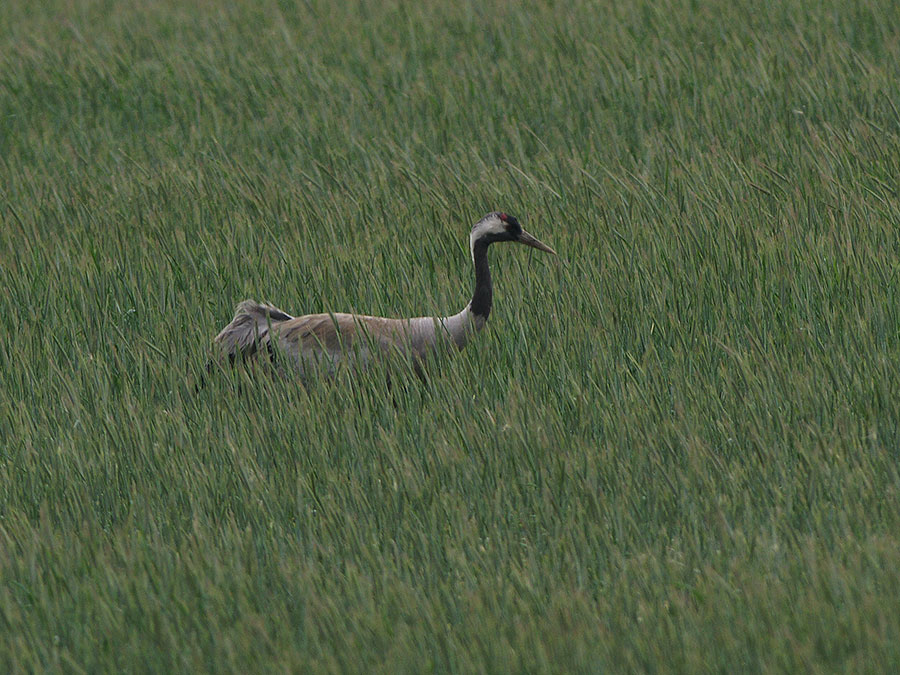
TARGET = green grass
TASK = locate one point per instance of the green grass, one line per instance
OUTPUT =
(676, 449)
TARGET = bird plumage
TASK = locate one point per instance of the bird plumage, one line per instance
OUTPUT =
(319, 342)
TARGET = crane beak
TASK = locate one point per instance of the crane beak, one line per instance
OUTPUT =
(534, 242)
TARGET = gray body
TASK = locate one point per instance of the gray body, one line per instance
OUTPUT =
(317, 343)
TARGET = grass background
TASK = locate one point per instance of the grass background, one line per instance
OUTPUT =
(673, 450)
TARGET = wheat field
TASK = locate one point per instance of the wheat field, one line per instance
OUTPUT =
(673, 449)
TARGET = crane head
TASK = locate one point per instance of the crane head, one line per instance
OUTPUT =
(498, 226)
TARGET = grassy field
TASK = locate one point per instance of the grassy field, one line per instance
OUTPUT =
(673, 449)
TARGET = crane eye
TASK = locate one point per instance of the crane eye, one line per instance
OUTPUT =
(503, 217)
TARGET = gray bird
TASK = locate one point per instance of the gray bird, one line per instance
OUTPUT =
(317, 343)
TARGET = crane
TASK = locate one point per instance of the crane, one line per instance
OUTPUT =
(318, 343)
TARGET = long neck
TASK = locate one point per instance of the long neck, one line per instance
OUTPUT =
(484, 292)
(472, 318)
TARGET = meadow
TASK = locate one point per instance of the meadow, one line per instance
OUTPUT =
(673, 449)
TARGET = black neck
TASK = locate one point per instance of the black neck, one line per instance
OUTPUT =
(484, 294)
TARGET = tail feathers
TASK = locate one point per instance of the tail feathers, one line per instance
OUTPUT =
(249, 326)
